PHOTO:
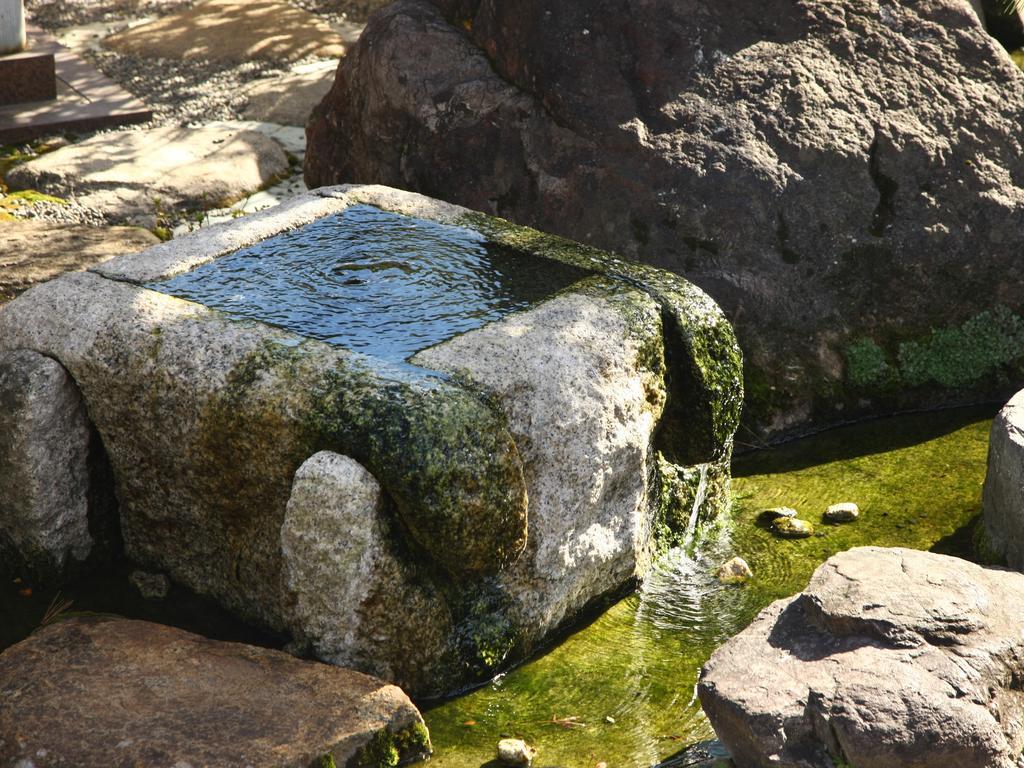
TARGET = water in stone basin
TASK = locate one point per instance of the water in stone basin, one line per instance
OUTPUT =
(621, 690)
(374, 281)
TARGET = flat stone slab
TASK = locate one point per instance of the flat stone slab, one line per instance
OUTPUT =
(290, 99)
(143, 172)
(37, 251)
(234, 31)
(890, 657)
(84, 99)
(106, 691)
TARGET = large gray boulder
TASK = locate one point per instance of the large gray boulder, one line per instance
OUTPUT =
(519, 472)
(1003, 495)
(841, 178)
(890, 657)
(95, 691)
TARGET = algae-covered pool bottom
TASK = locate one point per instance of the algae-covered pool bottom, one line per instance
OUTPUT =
(621, 690)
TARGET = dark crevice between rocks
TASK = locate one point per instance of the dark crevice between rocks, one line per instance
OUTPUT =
(887, 187)
(103, 512)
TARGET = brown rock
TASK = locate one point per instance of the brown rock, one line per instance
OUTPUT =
(890, 657)
(35, 251)
(829, 173)
(113, 692)
(232, 31)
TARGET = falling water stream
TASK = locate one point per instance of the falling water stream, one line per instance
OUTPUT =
(622, 690)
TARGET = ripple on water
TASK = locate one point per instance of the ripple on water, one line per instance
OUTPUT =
(374, 281)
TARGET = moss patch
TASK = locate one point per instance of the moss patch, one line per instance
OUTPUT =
(952, 358)
(705, 365)
(388, 750)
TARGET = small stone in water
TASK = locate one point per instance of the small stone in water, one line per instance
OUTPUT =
(792, 528)
(609, 719)
(734, 571)
(769, 516)
(515, 752)
(152, 586)
(846, 512)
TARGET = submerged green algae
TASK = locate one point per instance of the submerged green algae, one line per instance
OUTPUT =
(621, 690)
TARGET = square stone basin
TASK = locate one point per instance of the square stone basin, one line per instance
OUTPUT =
(416, 438)
(374, 281)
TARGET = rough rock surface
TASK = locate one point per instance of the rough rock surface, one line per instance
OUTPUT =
(234, 31)
(890, 657)
(831, 173)
(1003, 496)
(589, 368)
(34, 251)
(100, 691)
(228, 440)
(44, 464)
(348, 578)
(141, 173)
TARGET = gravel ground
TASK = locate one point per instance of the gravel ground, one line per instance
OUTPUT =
(184, 93)
(179, 93)
(54, 14)
(57, 213)
(349, 10)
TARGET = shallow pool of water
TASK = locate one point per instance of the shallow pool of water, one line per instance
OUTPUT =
(374, 281)
(621, 691)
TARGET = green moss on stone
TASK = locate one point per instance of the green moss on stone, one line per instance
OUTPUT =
(704, 361)
(957, 356)
(380, 752)
(982, 547)
(387, 749)
(866, 365)
(954, 357)
(483, 635)
(681, 490)
(441, 449)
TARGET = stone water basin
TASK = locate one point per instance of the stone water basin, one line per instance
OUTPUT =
(416, 439)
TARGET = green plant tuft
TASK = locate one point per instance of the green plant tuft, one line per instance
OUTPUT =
(866, 365)
(952, 357)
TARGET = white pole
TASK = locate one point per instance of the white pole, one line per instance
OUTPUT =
(12, 26)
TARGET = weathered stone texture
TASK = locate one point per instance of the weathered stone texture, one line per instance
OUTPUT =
(828, 172)
(44, 465)
(1003, 496)
(113, 692)
(890, 657)
(355, 596)
(158, 170)
(581, 378)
